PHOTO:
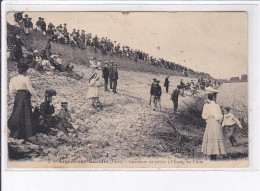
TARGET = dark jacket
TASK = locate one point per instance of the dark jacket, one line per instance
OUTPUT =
(175, 95)
(39, 23)
(43, 25)
(166, 82)
(25, 22)
(115, 74)
(47, 109)
(105, 72)
(111, 72)
(30, 24)
(156, 90)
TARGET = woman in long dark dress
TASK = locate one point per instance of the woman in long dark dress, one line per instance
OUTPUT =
(18, 53)
(20, 122)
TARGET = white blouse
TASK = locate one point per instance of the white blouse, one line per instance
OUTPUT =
(21, 82)
(230, 119)
(212, 110)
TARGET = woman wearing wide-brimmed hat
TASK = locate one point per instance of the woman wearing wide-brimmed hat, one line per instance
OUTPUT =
(93, 91)
(213, 139)
(19, 123)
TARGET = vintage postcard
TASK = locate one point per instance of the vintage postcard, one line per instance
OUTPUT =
(98, 90)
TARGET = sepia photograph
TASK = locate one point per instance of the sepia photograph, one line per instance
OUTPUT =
(126, 90)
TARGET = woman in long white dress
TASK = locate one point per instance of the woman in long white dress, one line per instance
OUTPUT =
(93, 91)
(213, 140)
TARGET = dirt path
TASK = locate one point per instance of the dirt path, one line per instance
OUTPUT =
(125, 128)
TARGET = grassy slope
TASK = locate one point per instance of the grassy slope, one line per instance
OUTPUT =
(37, 41)
(113, 133)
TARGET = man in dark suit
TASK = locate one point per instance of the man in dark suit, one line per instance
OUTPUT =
(26, 24)
(175, 97)
(111, 73)
(166, 83)
(156, 92)
(115, 78)
(105, 75)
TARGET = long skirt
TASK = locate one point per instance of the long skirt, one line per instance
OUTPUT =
(93, 92)
(20, 122)
(213, 140)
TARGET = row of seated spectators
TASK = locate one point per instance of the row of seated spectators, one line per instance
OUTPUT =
(81, 39)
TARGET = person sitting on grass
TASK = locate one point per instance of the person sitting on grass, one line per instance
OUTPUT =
(46, 119)
(56, 61)
(65, 116)
(70, 73)
(37, 60)
(49, 123)
(229, 124)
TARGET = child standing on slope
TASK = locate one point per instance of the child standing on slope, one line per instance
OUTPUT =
(229, 124)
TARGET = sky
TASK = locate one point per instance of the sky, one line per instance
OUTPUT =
(211, 42)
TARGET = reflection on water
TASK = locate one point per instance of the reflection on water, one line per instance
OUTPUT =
(234, 95)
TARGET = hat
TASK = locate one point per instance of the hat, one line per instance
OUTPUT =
(26, 15)
(65, 23)
(50, 93)
(211, 90)
(39, 18)
(35, 51)
(178, 86)
(154, 79)
(227, 108)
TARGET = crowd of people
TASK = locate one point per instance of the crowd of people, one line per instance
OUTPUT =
(41, 60)
(189, 88)
(25, 122)
(82, 39)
